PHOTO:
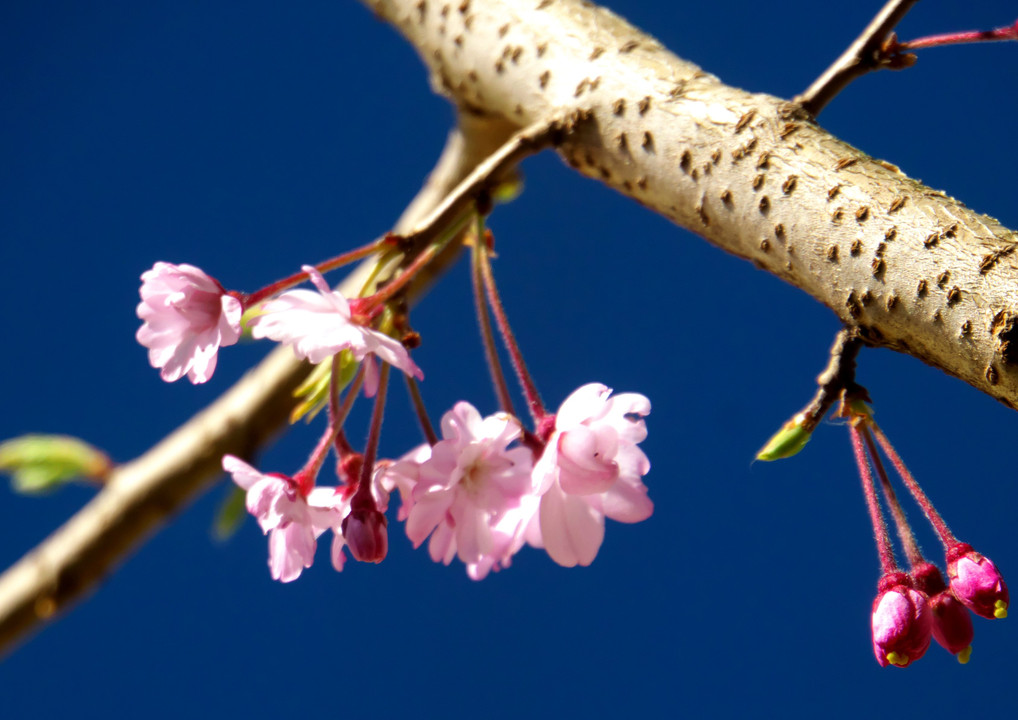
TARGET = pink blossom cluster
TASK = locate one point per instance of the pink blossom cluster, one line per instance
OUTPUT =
(187, 316)
(295, 515)
(478, 493)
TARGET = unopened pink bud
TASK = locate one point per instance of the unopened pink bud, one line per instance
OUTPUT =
(952, 624)
(976, 582)
(364, 530)
(902, 622)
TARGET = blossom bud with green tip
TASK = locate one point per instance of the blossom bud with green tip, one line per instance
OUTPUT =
(902, 622)
(976, 582)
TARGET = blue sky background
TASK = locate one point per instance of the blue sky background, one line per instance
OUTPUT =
(249, 138)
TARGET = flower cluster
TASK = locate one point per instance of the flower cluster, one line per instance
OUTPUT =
(913, 608)
(476, 494)
(480, 492)
(481, 500)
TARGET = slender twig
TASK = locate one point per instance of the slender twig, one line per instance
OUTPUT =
(958, 38)
(862, 56)
(838, 376)
(489, 172)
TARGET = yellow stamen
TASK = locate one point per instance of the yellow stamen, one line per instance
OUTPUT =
(964, 655)
(1000, 611)
(897, 658)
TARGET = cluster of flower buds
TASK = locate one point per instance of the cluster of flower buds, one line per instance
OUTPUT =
(912, 608)
(480, 492)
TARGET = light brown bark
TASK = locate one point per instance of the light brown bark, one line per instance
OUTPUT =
(916, 270)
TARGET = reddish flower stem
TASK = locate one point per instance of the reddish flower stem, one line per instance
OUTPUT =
(374, 434)
(1005, 33)
(908, 541)
(887, 562)
(487, 336)
(307, 475)
(337, 412)
(322, 267)
(534, 403)
(943, 532)
(421, 411)
(398, 283)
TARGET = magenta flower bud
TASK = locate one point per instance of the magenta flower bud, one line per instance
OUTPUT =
(902, 622)
(952, 624)
(364, 530)
(976, 581)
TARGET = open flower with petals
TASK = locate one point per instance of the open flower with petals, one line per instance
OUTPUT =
(186, 317)
(319, 324)
(902, 622)
(467, 490)
(591, 469)
(292, 521)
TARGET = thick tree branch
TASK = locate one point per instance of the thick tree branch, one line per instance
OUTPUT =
(912, 268)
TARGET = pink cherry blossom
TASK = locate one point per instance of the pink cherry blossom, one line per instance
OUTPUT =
(469, 494)
(590, 469)
(186, 317)
(292, 521)
(902, 622)
(976, 582)
(318, 325)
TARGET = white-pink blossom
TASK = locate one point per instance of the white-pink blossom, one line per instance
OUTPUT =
(292, 521)
(318, 325)
(590, 469)
(470, 494)
(186, 317)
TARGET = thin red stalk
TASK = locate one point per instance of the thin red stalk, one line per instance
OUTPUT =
(337, 412)
(908, 542)
(309, 473)
(887, 562)
(322, 267)
(420, 410)
(487, 336)
(374, 432)
(945, 534)
(1005, 33)
(397, 284)
(537, 410)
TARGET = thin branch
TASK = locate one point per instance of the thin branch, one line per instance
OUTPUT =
(862, 56)
(836, 378)
(142, 494)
